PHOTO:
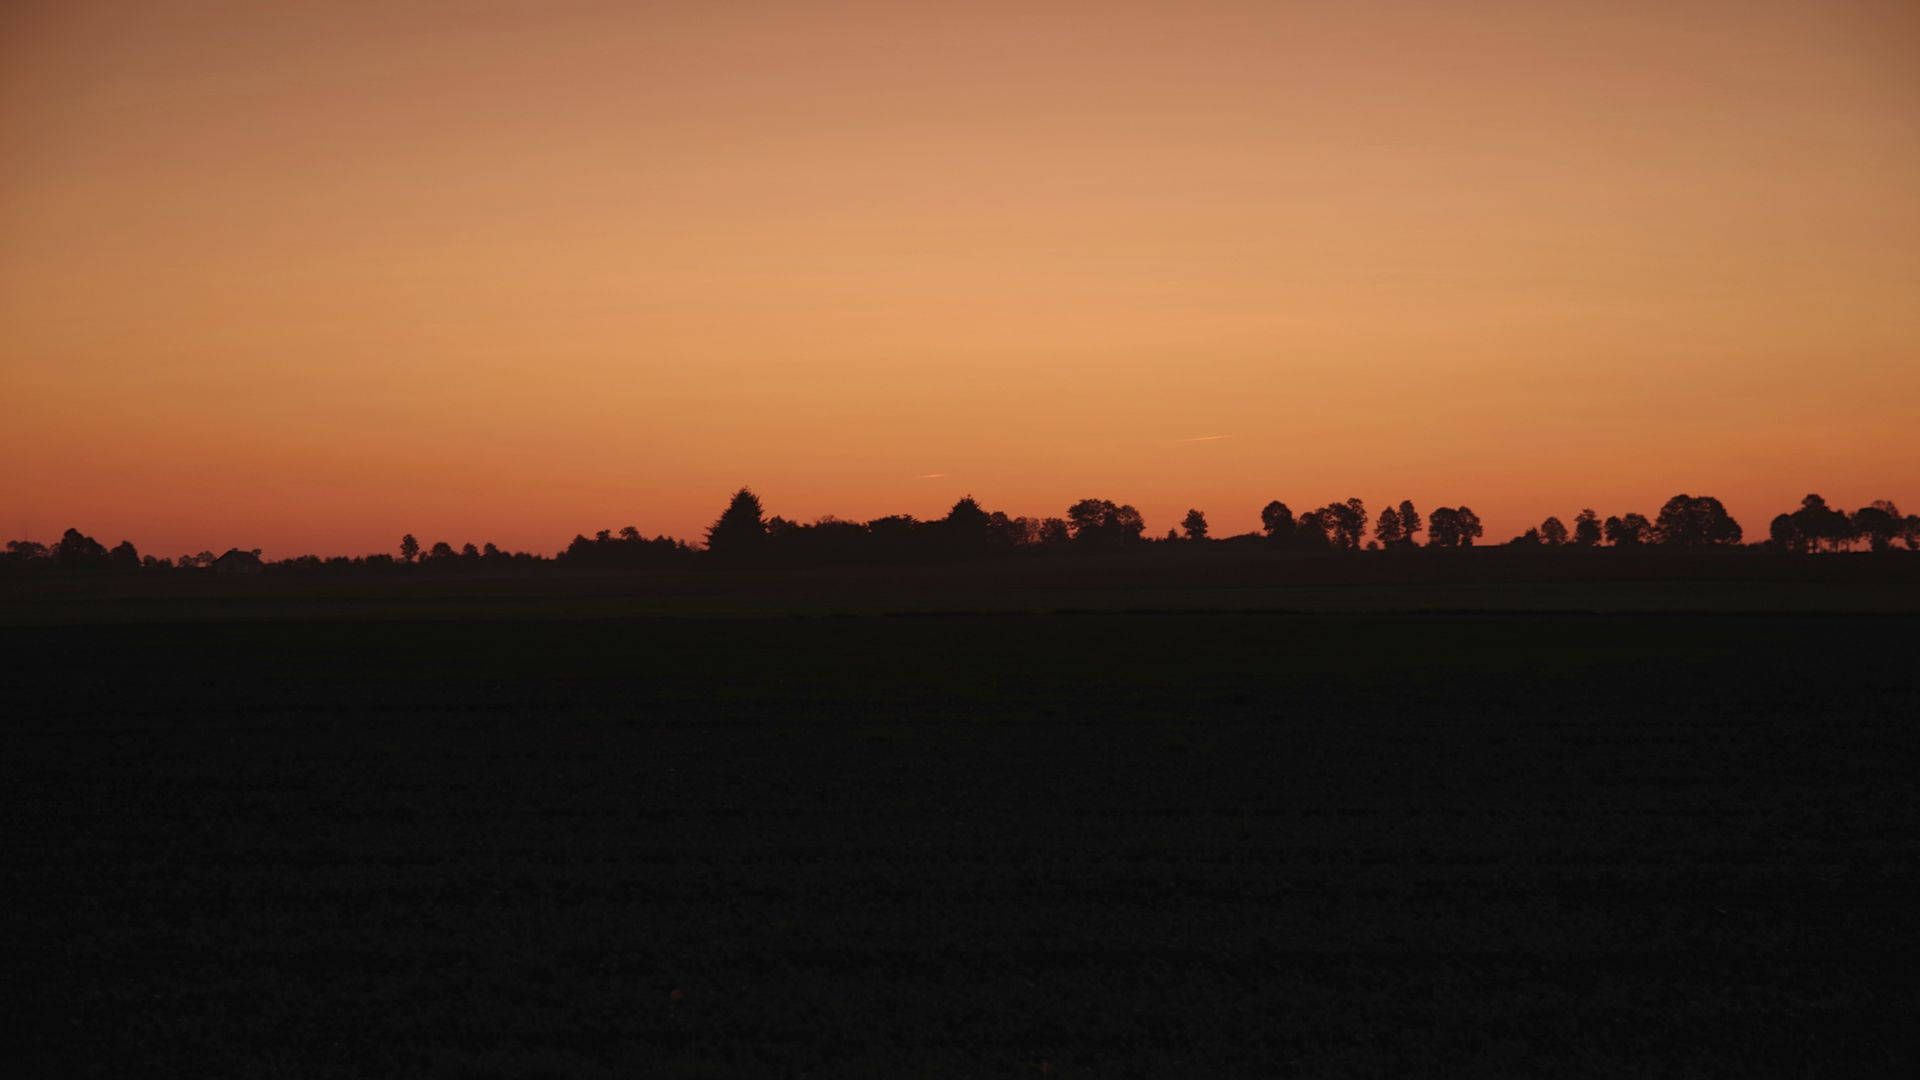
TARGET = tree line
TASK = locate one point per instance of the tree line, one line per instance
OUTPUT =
(745, 533)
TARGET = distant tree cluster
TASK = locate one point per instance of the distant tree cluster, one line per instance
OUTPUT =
(75, 551)
(1815, 526)
(1700, 521)
(1685, 521)
(744, 533)
(1342, 526)
(610, 550)
(1335, 526)
(79, 552)
(441, 557)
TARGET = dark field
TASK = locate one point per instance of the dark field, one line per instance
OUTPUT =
(1174, 844)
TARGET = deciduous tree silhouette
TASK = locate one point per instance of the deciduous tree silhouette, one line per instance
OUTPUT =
(22, 552)
(1880, 524)
(409, 548)
(1353, 524)
(1629, 530)
(78, 551)
(1101, 523)
(1586, 529)
(1029, 532)
(1342, 525)
(1313, 531)
(1786, 535)
(1277, 520)
(1388, 529)
(1553, 532)
(1194, 525)
(1452, 527)
(1409, 522)
(123, 557)
(1695, 521)
(1821, 525)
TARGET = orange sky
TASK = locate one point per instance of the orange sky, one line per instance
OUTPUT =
(308, 279)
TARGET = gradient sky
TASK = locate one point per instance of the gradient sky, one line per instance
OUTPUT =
(304, 277)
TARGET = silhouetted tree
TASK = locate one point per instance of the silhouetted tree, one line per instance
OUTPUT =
(967, 529)
(77, 551)
(409, 548)
(1025, 532)
(1786, 535)
(1194, 525)
(1451, 526)
(1388, 529)
(1880, 524)
(1277, 520)
(442, 551)
(1313, 531)
(1409, 522)
(893, 536)
(1101, 523)
(24, 552)
(1629, 530)
(1344, 525)
(1695, 521)
(1586, 529)
(123, 557)
(1005, 532)
(1470, 527)
(1553, 532)
(1530, 538)
(1821, 525)
(740, 529)
(967, 514)
(1353, 524)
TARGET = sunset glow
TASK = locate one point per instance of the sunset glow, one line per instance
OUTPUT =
(305, 277)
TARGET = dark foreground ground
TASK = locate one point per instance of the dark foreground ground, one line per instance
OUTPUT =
(1182, 844)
